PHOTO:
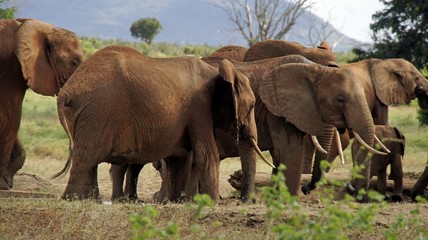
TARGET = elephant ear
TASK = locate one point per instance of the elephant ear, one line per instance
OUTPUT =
(288, 91)
(392, 85)
(32, 51)
(227, 94)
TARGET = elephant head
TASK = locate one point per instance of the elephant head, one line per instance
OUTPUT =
(310, 96)
(48, 55)
(322, 54)
(397, 81)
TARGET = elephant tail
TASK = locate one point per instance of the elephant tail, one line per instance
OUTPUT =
(65, 169)
(62, 101)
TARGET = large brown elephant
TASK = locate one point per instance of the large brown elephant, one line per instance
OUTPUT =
(33, 54)
(121, 106)
(394, 141)
(384, 82)
(322, 54)
(420, 185)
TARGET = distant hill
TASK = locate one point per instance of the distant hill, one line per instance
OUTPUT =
(183, 21)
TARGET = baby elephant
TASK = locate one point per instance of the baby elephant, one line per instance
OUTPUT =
(394, 140)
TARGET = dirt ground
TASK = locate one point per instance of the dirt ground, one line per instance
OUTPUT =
(28, 185)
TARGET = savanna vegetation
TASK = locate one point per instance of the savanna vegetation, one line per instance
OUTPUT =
(328, 213)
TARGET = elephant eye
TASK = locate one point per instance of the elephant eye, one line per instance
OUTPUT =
(340, 99)
(75, 62)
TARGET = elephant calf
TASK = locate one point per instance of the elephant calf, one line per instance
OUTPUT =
(394, 140)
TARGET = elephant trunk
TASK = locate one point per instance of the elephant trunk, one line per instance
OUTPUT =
(325, 141)
(248, 166)
(248, 135)
(362, 124)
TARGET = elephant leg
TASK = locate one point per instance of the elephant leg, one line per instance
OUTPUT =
(131, 182)
(325, 141)
(308, 155)
(179, 169)
(82, 183)
(420, 185)
(381, 180)
(397, 172)
(287, 142)
(360, 156)
(117, 174)
(207, 164)
(5, 156)
(17, 159)
(162, 195)
(192, 187)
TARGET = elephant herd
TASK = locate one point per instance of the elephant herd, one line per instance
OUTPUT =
(185, 114)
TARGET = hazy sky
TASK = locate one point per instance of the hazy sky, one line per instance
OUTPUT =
(352, 17)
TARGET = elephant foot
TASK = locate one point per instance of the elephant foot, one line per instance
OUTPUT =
(4, 184)
(9, 181)
(413, 195)
(81, 195)
(396, 198)
(351, 190)
(307, 188)
(159, 197)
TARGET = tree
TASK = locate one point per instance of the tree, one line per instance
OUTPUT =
(146, 29)
(273, 18)
(7, 12)
(399, 31)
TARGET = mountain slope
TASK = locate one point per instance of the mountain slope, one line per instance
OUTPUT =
(183, 21)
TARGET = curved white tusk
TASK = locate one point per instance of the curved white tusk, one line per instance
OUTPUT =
(381, 144)
(259, 152)
(339, 148)
(357, 136)
(318, 145)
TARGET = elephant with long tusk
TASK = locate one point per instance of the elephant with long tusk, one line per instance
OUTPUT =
(384, 82)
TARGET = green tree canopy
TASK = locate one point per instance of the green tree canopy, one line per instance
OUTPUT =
(146, 29)
(5, 11)
(399, 31)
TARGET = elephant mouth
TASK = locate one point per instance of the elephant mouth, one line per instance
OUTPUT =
(341, 130)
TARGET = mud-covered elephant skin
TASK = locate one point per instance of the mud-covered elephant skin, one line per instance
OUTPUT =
(230, 52)
(322, 54)
(384, 82)
(420, 185)
(394, 140)
(121, 106)
(33, 54)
